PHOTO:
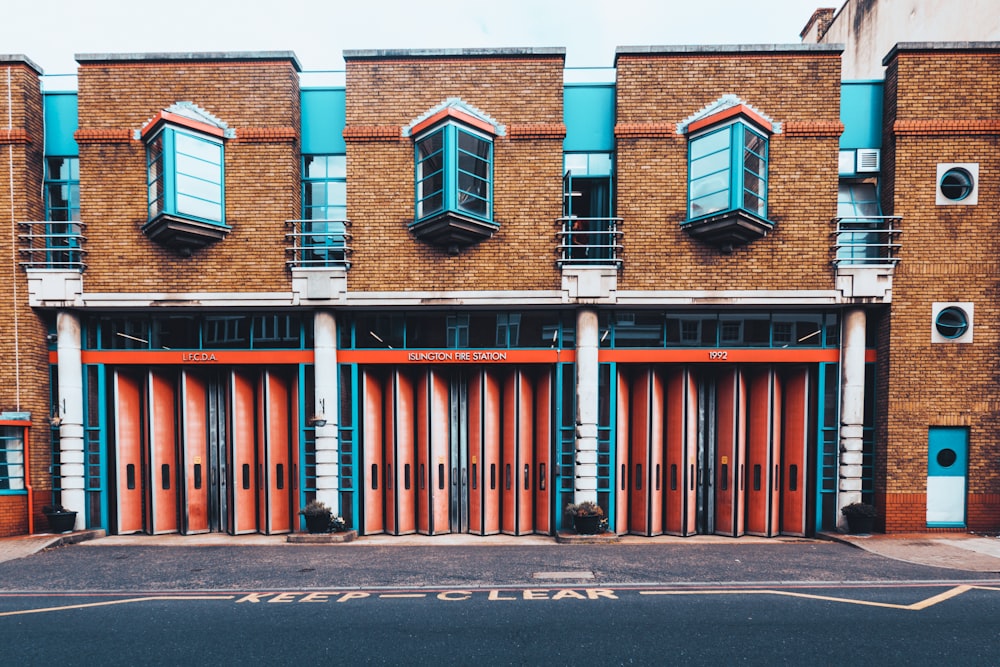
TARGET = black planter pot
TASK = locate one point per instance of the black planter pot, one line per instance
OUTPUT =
(317, 523)
(61, 522)
(858, 523)
(586, 525)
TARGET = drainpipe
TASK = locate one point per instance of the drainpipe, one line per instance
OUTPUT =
(70, 392)
(585, 469)
(852, 411)
(325, 410)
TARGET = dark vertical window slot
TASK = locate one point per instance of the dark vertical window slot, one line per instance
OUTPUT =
(673, 476)
(165, 476)
(423, 477)
(406, 476)
(197, 475)
(527, 477)
(246, 476)
(541, 476)
(638, 477)
(506, 484)
(130, 476)
(374, 476)
(793, 477)
(725, 476)
(280, 475)
(388, 477)
(756, 477)
(474, 475)
(657, 476)
(692, 476)
(493, 476)
(440, 475)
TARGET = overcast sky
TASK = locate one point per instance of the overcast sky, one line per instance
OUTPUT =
(50, 32)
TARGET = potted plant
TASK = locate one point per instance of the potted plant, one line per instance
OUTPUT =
(860, 517)
(61, 520)
(317, 516)
(588, 517)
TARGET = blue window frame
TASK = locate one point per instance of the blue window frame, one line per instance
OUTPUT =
(727, 171)
(323, 236)
(62, 212)
(12, 472)
(454, 172)
(185, 176)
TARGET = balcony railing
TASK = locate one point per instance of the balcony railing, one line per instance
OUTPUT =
(49, 244)
(319, 243)
(593, 241)
(867, 240)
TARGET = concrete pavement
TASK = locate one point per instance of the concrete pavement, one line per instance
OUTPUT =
(957, 551)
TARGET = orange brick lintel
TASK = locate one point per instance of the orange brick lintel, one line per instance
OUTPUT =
(372, 133)
(645, 130)
(912, 127)
(817, 128)
(14, 136)
(536, 131)
(265, 135)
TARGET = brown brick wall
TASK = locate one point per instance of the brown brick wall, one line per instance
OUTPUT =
(24, 375)
(259, 98)
(387, 95)
(949, 253)
(662, 90)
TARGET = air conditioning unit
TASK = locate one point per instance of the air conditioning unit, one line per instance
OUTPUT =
(868, 160)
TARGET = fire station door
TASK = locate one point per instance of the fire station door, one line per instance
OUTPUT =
(204, 452)
(456, 450)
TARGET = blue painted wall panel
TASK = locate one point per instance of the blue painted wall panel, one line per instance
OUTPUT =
(60, 124)
(589, 114)
(861, 114)
(323, 119)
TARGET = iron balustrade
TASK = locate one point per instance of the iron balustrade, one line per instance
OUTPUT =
(52, 244)
(323, 243)
(866, 240)
(594, 241)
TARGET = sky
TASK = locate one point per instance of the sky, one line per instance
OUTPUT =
(50, 32)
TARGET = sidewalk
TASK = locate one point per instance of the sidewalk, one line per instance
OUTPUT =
(957, 551)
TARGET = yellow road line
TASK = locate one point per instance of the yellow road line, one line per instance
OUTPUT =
(403, 595)
(916, 606)
(112, 602)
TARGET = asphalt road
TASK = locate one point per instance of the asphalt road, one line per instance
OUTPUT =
(714, 604)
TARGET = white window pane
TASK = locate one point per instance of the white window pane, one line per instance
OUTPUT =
(199, 208)
(199, 148)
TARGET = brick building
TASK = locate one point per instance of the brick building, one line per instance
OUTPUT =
(455, 292)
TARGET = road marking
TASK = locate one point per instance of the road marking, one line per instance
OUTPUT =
(403, 595)
(111, 602)
(916, 606)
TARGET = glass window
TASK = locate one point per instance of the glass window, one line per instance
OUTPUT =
(11, 458)
(185, 175)
(727, 170)
(454, 171)
(62, 212)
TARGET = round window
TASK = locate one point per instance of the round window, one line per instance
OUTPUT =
(946, 458)
(952, 322)
(956, 184)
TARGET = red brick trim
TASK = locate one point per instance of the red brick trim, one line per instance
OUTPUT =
(818, 128)
(265, 135)
(372, 133)
(537, 131)
(14, 136)
(645, 130)
(931, 127)
(103, 136)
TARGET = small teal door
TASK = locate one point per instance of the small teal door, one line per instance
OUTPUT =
(947, 470)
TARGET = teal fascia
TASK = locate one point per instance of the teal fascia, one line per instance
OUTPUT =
(323, 119)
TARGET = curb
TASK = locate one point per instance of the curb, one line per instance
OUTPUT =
(564, 537)
(323, 538)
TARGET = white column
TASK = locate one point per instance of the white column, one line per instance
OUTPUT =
(70, 413)
(587, 342)
(852, 410)
(326, 409)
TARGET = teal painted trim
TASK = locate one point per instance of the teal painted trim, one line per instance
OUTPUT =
(589, 115)
(946, 524)
(451, 156)
(861, 114)
(60, 113)
(955, 438)
(303, 435)
(355, 473)
(827, 444)
(565, 453)
(172, 189)
(102, 444)
(324, 117)
(614, 478)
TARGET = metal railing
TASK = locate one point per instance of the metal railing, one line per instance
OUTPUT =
(867, 240)
(593, 241)
(319, 243)
(50, 244)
